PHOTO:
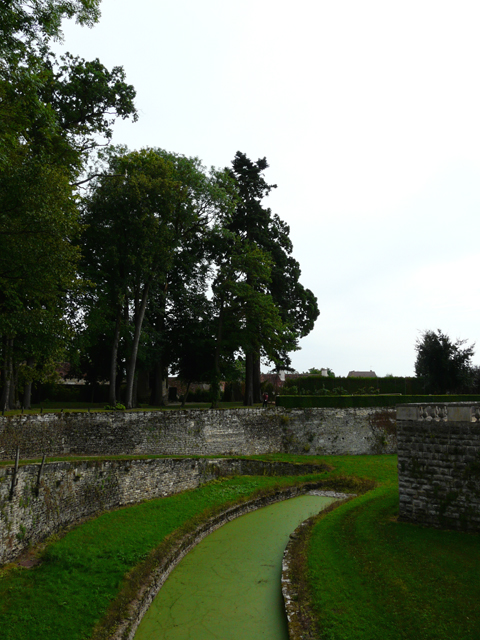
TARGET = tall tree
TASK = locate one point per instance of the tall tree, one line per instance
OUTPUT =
(247, 318)
(130, 239)
(210, 198)
(445, 365)
(296, 306)
(143, 218)
(52, 114)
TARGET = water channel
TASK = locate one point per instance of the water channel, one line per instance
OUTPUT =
(228, 586)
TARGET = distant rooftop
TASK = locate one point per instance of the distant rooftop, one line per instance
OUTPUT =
(362, 374)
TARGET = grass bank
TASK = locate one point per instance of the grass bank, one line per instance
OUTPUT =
(373, 578)
(369, 577)
(105, 559)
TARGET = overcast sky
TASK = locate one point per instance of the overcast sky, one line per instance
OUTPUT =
(368, 113)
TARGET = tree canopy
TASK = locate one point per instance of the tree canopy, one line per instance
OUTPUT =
(292, 309)
(445, 364)
(134, 261)
(53, 113)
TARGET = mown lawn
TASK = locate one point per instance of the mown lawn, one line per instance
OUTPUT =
(373, 578)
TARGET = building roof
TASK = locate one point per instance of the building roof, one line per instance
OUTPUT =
(362, 374)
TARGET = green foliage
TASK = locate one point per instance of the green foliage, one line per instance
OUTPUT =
(445, 365)
(53, 114)
(278, 309)
(148, 228)
(357, 401)
(313, 384)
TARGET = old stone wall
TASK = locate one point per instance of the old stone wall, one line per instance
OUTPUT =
(439, 464)
(196, 432)
(46, 499)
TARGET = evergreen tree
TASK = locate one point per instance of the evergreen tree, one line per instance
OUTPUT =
(296, 306)
(445, 365)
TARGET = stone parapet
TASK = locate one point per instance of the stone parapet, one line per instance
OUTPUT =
(439, 464)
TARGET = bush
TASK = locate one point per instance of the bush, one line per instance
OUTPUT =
(388, 385)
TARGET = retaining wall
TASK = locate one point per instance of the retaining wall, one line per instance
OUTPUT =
(196, 432)
(45, 500)
(439, 464)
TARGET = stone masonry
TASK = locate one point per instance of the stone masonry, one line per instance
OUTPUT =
(196, 432)
(43, 500)
(439, 464)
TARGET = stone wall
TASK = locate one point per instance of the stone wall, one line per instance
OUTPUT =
(196, 432)
(46, 499)
(439, 464)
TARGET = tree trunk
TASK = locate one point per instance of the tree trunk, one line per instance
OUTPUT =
(257, 392)
(27, 395)
(158, 398)
(215, 384)
(136, 339)
(248, 400)
(112, 392)
(27, 389)
(13, 386)
(7, 380)
(135, 391)
(186, 394)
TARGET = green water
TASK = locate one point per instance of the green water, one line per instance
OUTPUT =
(228, 586)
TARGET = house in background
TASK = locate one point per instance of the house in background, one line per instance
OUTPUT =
(362, 374)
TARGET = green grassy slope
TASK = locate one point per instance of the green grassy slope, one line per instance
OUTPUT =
(373, 578)
(81, 573)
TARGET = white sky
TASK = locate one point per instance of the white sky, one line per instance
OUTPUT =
(369, 116)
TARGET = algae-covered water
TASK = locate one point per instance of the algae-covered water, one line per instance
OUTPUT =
(228, 586)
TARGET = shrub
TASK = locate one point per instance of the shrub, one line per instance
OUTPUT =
(117, 407)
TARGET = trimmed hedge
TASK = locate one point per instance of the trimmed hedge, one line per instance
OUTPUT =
(316, 383)
(344, 402)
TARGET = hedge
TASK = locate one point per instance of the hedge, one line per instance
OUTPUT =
(343, 402)
(316, 383)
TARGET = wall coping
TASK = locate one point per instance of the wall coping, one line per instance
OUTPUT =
(439, 412)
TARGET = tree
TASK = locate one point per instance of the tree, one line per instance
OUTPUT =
(144, 219)
(210, 196)
(296, 306)
(37, 269)
(131, 234)
(445, 365)
(52, 115)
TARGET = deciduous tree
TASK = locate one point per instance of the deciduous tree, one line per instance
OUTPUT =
(51, 116)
